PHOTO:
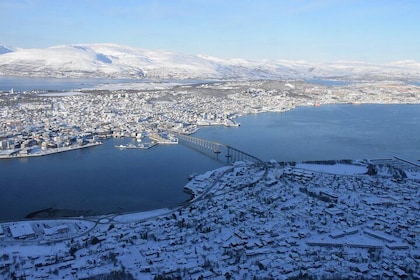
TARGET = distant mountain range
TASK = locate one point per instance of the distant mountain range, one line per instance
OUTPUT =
(115, 61)
(6, 49)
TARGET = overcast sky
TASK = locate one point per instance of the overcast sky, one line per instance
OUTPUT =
(312, 30)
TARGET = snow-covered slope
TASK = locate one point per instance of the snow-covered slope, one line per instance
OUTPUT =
(363, 70)
(65, 61)
(115, 61)
(6, 49)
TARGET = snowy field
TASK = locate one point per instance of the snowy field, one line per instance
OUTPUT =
(338, 168)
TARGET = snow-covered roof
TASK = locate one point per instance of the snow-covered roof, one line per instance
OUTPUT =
(21, 230)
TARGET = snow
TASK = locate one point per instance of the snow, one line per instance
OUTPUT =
(236, 229)
(413, 175)
(21, 230)
(338, 168)
(31, 250)
(357, 240)
(141, 215)
(6, 49)
(60, 94)
(374, 200)
(115, 61)
(135, 86)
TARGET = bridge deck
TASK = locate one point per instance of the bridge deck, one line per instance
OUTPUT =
(215, 149)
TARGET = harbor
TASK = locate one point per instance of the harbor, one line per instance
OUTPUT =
(142, 146)
(43, 182)
(148, 141)
(61, 120)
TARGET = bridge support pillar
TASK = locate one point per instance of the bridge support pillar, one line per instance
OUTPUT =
(228, 155)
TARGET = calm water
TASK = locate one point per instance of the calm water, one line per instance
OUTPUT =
(25, 83)
(327, 132)
(104, 179)
(327, 82)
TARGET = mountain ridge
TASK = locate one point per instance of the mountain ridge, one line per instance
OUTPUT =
(6, 49)
(110, 60)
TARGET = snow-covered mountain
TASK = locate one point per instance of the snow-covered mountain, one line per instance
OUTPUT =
(6, 49)
(115, 61)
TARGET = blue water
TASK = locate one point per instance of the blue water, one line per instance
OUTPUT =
(327, 82)
(26, 84)
(101, 179)
(327, 132)
(104, 179)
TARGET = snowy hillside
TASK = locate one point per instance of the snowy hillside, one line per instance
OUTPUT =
(115, 61)
(6, 49)
(362, 70)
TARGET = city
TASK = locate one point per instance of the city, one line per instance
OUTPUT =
(270, 221)
(37, 123)
(209, 139)
(249, 219)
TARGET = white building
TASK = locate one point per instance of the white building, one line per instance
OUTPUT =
(22, 231)
(56, 230)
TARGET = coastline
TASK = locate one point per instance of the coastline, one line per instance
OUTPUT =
(141, 154)
(287, 210)
(11, 154)
(48, 151)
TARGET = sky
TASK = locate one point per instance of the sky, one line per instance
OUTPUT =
(377, 31)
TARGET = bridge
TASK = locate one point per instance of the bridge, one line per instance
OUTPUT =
(221, 152)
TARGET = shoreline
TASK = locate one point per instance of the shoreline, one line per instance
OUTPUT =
(12, 153)
(277, 211)
(53, 151)
(190, 189)
(49, 151)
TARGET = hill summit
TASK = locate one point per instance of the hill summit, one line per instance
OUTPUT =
(116, 61)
